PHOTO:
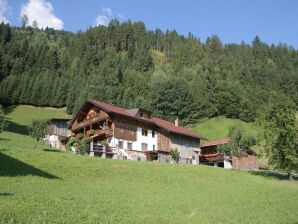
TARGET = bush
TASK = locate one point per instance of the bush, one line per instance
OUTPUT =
(81, 144)
(73, 141)
(84, 145)
(175, 154)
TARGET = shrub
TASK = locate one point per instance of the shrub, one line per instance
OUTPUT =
(73, 141)
(174, 153)
(81, 144)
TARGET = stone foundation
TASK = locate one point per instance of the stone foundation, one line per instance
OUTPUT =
(139, 156)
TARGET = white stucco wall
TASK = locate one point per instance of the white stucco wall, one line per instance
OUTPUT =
(53, 141)
(137, 145)
(145, 139)
(227, 164)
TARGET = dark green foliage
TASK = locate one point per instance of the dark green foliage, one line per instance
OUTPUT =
(81, 144)
(37, 130)
(3, 123)
(189, 79)
(171, 98)
(281, 135)
(72, 142)
(174, 153)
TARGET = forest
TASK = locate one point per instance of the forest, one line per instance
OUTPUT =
(130, 66)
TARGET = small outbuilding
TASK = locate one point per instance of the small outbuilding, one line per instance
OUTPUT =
(57, 133)
(211, 156)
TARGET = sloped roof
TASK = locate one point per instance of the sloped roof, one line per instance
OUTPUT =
(155, 120)
(216, 142)
(175, 129)
(110, 108)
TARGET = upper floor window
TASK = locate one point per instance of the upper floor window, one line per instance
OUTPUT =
(153, 147)
(144, 132)
(153, 134)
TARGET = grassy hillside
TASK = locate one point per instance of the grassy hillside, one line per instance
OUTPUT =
(48, 186)
(23, 114)
(218, 127)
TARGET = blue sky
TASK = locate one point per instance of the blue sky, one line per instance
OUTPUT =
(232, 20)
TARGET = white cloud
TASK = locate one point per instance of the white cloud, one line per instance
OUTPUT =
(107, 11)
(102, 20)
(43, 12)
(4, 10)
(120, 15)
(105, 17)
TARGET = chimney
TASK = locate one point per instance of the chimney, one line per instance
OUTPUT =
(177, 122)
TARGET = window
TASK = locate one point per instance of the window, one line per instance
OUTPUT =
(120, 144)
(129, 145)
(141, 114)
(144, 147)
(153, 148)
(144, 132)
(153, 134)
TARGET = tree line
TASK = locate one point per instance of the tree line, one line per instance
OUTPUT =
(128, 65)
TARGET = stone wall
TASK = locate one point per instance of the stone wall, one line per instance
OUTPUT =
(163, 157)
(139, 156)
(186, 145)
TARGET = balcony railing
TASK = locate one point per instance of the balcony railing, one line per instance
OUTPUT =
(209, 158)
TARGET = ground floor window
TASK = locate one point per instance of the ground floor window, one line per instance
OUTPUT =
(129, 145)
(120, 144)
(144, 147)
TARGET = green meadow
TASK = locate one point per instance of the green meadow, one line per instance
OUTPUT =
(218, 127)
(49, 186)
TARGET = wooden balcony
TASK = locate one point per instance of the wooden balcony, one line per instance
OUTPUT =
(107, 132)
(211, 158)
(88, 122)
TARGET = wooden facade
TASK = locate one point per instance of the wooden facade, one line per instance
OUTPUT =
(125, 129)
(163, 141)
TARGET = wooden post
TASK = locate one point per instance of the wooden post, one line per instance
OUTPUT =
(91, 148)
(104, 152)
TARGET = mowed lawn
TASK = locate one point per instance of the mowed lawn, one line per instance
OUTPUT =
(48, 186)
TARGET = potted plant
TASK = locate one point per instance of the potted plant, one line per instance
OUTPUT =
(90, 132)
(104, 143)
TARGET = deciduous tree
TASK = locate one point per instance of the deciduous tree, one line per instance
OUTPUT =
(281, 133)
(37, 130)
